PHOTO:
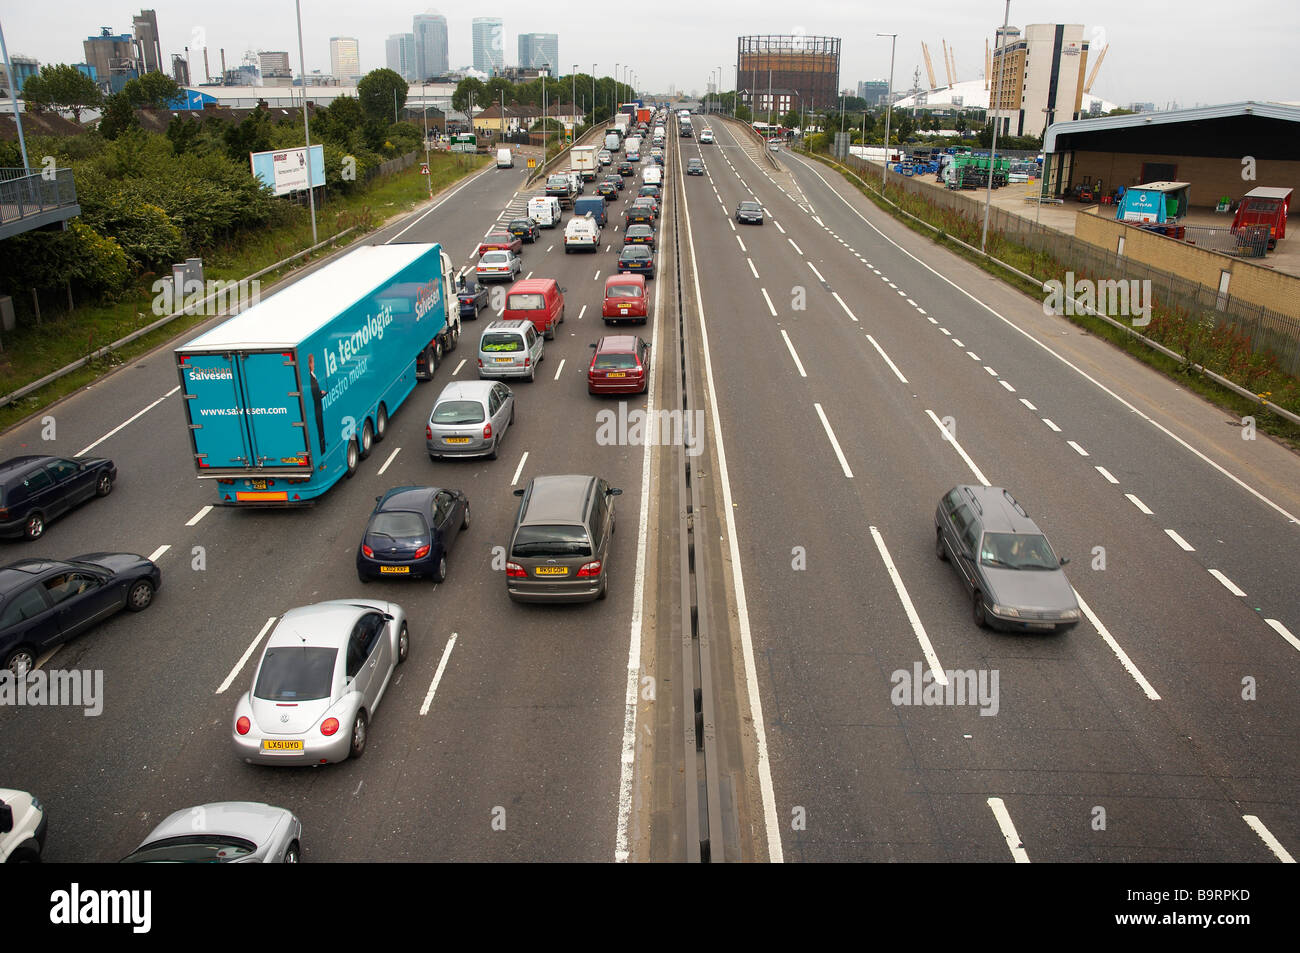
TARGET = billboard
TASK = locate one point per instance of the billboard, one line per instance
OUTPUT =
(285, 170)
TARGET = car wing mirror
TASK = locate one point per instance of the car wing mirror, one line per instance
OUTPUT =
(519, 492)
(1064, 560)
(591, 345)
(614, 491)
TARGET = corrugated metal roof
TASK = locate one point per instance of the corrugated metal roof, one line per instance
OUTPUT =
(1249, 108)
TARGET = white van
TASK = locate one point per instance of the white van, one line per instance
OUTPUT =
(545, 210)
(653, 174)
(505, 159)
(582, 233)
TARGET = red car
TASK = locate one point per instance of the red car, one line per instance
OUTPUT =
(625, 299)
(621, 365)
(502, 240)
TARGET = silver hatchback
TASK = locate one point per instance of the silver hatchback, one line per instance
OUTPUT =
(469, 419)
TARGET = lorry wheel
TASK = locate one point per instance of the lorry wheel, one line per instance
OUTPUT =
(439, 352)
(354, 456)
(455, 336)
(367, 438)
(381, 424)
(431, 360)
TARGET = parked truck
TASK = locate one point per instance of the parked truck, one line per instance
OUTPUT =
(584, 162)
(1264, 205)
(286, 398)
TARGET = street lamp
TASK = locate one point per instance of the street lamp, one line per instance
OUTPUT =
(1042, 185)
(573, 82)
(546, 68)
(993, 150)
(889, 104)
(594, 105)
(424, 100)
(306, 127)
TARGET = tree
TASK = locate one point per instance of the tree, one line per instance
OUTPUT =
(791, 119)
(63, 88)
(381, 91)
(118, 117)
(467, 87)
(151, 91)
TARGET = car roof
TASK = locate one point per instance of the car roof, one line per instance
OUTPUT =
(625, 279)
(997, 509)
(531, 284)
(558, 499)
(405, 498)
(17, 464)
(511, 324)
(618, 343)
(466, 390)
(323, 625)
(17, 574)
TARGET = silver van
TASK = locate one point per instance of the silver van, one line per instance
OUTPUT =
(559, 547)
(509, 349)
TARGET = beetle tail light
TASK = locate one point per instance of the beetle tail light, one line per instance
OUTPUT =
(243, 725)
(329, 727)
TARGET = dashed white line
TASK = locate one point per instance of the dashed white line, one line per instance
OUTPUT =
(1138, 503)
(437, 676)
(159, 551)
(234, 672)
(1283, 631)
(972, 355)
(957, 342)
(596, 277)
(911, 302)
(1014, 844)
(1025, 401)
(844, 464)
(770, 307)
(1053, 426)
(124, 423)
(992, 373)
(1076, 448)
(1120, 654)
(391, 457)
(193, 521)
(1271, 842)
(1007, 385)
(892, 366)
(459, 366)
(797, 249)
(779, 228)
(946, 332)
(836, 296)
(947, 435)
(519, 469)
(927, 649)
(797, 363)
(751, 266)
(582, 312)
(1106, 473)
(741, 243)
(1227, 583)
(560, 369)
(1186, 546)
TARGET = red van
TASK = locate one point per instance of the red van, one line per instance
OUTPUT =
(625, 299)
(1265, 206)
(539, 300)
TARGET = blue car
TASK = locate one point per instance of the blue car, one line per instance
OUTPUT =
(410, 532)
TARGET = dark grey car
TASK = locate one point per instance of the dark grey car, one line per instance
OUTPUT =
(1013, 577)
(749, 212)
(559, 546)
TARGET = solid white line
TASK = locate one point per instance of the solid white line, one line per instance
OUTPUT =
(1271, 842)
(1138, 503)
(751, 266)
(836, 296)
(234, 672)
(1007, 385)
(1227, 583)
(120, 426)
(199, 515)
(797, 363)
(927, 649)
(958, 447)
(1120, 654)
(815, 271)
(436, 205)
(1106, 473)
(437, 676)
(519, 469)
(741, 244)
(844, 464)
(159, 551)
(1026, 402)
(778, 225)
(1187, 547)
(391, 457)
(797, 249)
(770, 307)
(1055, 428)
(1283, 631)
(582, 312)
(560, 368)
(892, 366)
(1077, 449)
(1008, 829)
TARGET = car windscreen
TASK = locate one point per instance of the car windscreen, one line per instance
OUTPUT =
(458, 412)
(399, 524)
(524, 302)
(501, 342)
(614, 362)
(295, 673)
(750, 207)
(623, 291)
(551, 540)
(193, 849)
(1017, 551)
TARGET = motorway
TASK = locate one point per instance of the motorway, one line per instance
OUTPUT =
(851, 374)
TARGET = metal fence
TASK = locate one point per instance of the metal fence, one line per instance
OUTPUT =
(24, 194)
(1266, 329)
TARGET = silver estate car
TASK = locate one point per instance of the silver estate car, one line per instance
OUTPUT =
(469, 419)
(319, 682)
(228, 832)
(1012, 577)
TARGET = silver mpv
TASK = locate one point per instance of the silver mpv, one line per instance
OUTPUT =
(559, 547)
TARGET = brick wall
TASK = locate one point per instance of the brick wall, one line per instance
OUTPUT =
(1210, 178)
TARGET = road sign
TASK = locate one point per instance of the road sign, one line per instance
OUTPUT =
(532, 163)
(424, 168)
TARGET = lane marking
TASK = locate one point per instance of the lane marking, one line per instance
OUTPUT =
(892, 366)
(582, 312)
(123, 424)
(1227, 583)
(751, 266)
(836, 296)
(797, 363)
(1138, 503)
(1007, 385)
(459, 366)
(437, 676)
(559, 369)
(1077, 449)
(1055, 428)
(741, 243)
(1186, 546)
(815, 271)
(1106, 473)
(972, 355)
(391, 457)
(778, 225)
(770, 307)
(193, 521)
(519, 469)
(958, 447)
(1283, 631)
(797, 249)
(1014, 844)
(844, 464)
(153, 557)
(243, 659)
(927, 649)
(1271, 842)
(1120, 654)
(1025, 401)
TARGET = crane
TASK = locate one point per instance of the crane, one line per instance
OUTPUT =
(952, 72)
(929, 66)
(1092, 76)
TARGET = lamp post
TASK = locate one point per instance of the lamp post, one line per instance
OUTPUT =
(889, 105)
(546, 68)
(993, 150)
(1042, 185)
(424, 101)
(595, 106)
(306, 126)
(573, 101)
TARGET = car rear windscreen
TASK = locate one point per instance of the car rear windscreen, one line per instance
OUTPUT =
(551, 540)
(524, 302)
(396, 525)
(498, 342)
(458, 412)
(615, 362)
(295, 673)
(623, 291)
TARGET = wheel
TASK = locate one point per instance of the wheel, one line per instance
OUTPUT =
(34, 527)
(358, 746)
(440, 574)
(567, 249)
(561, 321)
(433, 457)
(464, 524)
(363, 577)
(939, 549)
(438, 350)
(21, 661)
(367, 438)
(104, 486)
(492, 455)
(291, 855)
(549, 336)
(354, 456)
(977, 609)
(381, 423)
(403, 644)
(455, 337)
(532, 373)
(140, 596)
(430, 360)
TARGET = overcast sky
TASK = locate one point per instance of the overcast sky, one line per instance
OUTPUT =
(1195, 51)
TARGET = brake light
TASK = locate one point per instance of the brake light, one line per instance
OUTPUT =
(528, 361)
(516, 571)
(329, 726)
(367, 551)
(422, 552)
(590, 569)
(428, 428)
(487, 432)
(243, 725)
(480, 362)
